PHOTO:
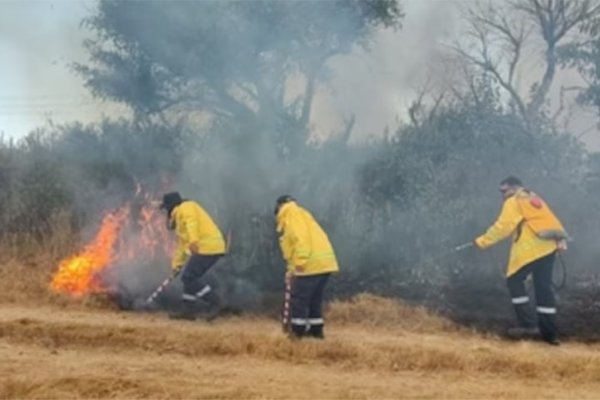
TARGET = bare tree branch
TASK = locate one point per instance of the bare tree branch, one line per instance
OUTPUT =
(504, 31)
(348, 128)
(436, 104)
(555, 18)
(514, 36)
(417, 109)
(487, 65)
(309, 94)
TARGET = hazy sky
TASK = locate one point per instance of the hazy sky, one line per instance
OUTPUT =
(40, 39)
(38, 42)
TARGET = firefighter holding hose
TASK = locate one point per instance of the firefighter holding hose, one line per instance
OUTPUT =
(537, 236)
(310, 261)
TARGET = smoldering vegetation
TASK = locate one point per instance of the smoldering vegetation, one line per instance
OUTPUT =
(221, 96)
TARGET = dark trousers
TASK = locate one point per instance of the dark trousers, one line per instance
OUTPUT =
(544, 296)
(306, 305)
(194, 284)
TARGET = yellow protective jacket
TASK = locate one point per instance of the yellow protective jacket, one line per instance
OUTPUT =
(534, 227)
(194, 225)
(305, 246)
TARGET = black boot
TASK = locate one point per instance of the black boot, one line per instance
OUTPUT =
(523, 332)
(186, 312)
(548, 330)
(316, 331)
(218, 307)
(297, 331)
(553, 340)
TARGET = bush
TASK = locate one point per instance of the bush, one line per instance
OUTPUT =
(392, 208)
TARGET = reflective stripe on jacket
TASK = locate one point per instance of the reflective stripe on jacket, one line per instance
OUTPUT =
(305, 246)
(533, 226)
(194, 225)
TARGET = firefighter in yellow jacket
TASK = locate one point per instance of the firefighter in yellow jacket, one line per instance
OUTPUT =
(310, 261)
(537, 235)
(200, 245)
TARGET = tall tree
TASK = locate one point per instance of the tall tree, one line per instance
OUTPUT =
(251, 62)
(584, 55)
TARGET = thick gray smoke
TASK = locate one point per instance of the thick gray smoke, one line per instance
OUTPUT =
(237, 132)
(236, 103)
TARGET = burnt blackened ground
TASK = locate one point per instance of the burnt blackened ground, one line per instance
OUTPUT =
(482, 303)
(488, 308)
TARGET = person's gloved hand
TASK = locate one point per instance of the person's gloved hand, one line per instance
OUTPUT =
(177, 269)
(289, 274)
(193, 247)
(561, 245)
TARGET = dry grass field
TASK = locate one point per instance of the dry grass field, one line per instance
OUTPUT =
(376, 348)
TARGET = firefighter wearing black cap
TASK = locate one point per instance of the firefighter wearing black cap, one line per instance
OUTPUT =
(310, 261)
(200, 245)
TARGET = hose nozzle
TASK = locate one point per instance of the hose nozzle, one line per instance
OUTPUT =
(463, 246)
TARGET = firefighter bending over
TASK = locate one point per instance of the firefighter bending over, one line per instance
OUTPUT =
(537, 235)
(310, 261)
(200, 245)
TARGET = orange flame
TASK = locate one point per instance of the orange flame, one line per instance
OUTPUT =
(124, 236)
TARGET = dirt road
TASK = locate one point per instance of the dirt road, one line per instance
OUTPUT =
(54, 352)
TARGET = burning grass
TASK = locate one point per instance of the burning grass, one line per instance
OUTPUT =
(27, 283)
(80, 274)
(133, 234)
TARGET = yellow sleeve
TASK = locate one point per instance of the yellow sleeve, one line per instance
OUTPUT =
(180, 257)
(505, 225)
(286, 247)
(294, 243)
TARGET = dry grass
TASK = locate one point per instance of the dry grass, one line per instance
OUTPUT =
(27, 283)
(52, 246)
(27, 263)
(376, 312)
(392, 351)
(52, 347)
(21, 282)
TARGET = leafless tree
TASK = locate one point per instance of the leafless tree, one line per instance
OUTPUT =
(425, 107)
(500, 31)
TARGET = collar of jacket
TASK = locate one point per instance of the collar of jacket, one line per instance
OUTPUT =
(174, 210)
(521, 192)
(285, 209)
(524, 192)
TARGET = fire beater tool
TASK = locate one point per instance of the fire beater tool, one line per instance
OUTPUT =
(174, 275)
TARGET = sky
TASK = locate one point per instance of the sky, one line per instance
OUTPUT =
(37, 84)
(40, 39)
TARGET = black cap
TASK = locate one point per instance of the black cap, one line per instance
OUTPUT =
(170, 201)
(511, 181)
(281, 200)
